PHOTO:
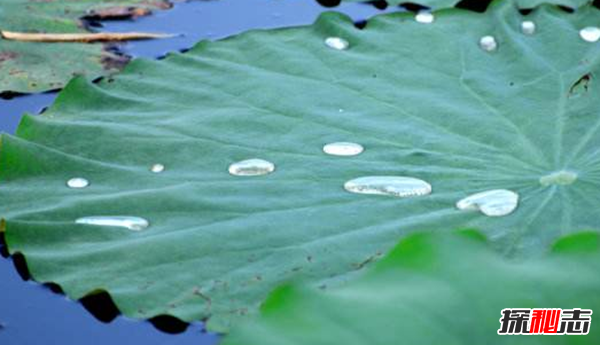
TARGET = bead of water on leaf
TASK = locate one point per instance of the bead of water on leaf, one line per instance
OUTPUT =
(488, 43)
(528, 27)
(590, 34)
(78, 183)
(127, 222)
(337, 43)
(157, 168)
(251, 167)
(398, 186)
(424, 17)
(343, 149)
(492, 203)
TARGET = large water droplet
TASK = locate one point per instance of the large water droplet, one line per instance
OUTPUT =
(337, 43)
(528, 27)
(425, 17)
(488, 43)
(127, 222)
(157, 168)
(562, 177)
(590, 34)
(343, 149)
(251, 167)
(492, 203)
(78, 183)
(398, 186)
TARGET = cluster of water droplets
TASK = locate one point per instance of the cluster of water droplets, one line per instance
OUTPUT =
(493, 203)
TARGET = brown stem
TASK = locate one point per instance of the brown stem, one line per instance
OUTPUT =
(80, 37)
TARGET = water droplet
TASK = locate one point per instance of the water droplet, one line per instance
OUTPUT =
(488, 43)
(424, 17)
(157, 168)
(590, 34)
(337, 43)
(528, 27)
(562, 177)
(492, 203)
(78, 183)
(251, 167)
(127, 222)
(340, 110)
(398, 186)
(343, 149)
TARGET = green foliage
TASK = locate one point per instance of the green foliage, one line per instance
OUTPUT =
(33, 67)
(432, 289)
(423, 99)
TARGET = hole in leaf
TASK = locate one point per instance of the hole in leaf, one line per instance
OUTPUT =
(169, 324)
(581, 86)
(101, 306)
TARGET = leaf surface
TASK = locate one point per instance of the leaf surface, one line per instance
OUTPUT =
(424, 100)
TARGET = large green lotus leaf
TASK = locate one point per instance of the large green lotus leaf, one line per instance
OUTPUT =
(432, 289)
(424, 100)
(34, 67)
(523, 4)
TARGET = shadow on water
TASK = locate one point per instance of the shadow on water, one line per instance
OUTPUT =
(31, 313)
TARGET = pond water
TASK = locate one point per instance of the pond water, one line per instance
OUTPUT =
(31, 313)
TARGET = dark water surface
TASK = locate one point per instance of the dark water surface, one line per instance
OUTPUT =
(31, 313)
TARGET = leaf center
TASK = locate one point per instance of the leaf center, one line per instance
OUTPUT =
(562, 177)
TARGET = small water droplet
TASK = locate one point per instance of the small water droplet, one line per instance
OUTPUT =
(528, 27)
(127, 222)
(425, 17)
(343, 149)
(157, 168)
(492, 203)
(488, 43)
(340, 110)
(398, 186)
(562, 177)
(337, 43)
(251, 167)
(590, 34)
(78, 183)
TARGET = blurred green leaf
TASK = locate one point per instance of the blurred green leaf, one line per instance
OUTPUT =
(431, 289)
